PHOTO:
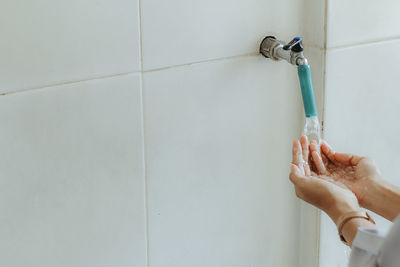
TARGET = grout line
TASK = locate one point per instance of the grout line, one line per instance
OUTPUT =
(324, 52)
(314, 46)
(67, 83)
(144, 165)
(201, 62)
(324, 64)
(364, 43)
(326, 4)
(318, 224)
(130, 73)
(144, 168)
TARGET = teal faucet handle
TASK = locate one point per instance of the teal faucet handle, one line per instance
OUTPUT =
(307, 91)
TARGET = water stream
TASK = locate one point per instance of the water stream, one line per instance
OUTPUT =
(312, 129)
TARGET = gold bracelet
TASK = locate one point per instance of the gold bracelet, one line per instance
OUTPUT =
(347, 217)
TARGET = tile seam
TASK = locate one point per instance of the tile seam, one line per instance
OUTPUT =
(324, 51)
(144, 164)
(201, 62)
(363, 43)
(214, 60)
(47, 86)
(135, 72)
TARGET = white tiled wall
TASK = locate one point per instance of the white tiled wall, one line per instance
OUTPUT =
(360, 21)
(362, 96)
(188, 167)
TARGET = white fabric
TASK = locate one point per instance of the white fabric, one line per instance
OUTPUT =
(374, 248)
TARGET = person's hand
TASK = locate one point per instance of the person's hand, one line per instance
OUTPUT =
(319, 189)
(360, 175)
(355, 172)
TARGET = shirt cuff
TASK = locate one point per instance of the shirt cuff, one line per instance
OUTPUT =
(369, 239)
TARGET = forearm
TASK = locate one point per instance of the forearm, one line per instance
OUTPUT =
(383, 198)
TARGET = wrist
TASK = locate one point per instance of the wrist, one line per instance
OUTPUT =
(350, 228)
(342, 207)
(373, 191)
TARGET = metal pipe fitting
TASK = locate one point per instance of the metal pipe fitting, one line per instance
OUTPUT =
(275, 49)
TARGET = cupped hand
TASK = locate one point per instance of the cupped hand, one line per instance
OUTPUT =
(354, 172)
(319, 190)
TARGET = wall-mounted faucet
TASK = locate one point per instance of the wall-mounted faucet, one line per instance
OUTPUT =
(292, 52)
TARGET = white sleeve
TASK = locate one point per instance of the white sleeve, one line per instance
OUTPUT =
(366, 247)
(389, 255)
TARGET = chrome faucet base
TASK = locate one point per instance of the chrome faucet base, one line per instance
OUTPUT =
(276, 50)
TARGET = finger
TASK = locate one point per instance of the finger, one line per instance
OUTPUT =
(328, 151)
(297, 155)
(314, 146)
(348, 159)
(312, 167)
(319, 164)
(296, 176)
(305, 152)
(310, 148)
(324, 158)
(304, 146)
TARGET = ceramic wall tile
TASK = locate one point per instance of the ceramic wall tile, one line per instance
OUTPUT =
(353, 22)
(179, 32)
(218, 142)
(71, 184)
(52, 41)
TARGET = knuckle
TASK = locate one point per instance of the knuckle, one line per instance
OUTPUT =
(298, 193)
(292, 177)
